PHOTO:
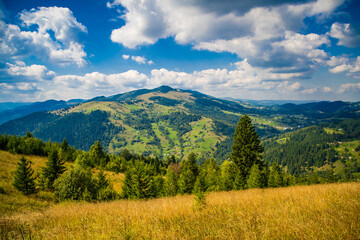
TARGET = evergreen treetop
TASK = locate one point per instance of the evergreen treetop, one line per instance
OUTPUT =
(23, 178)
(247, 148)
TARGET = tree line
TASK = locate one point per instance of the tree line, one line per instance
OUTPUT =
(148, 177)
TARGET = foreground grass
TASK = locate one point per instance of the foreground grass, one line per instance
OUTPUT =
(329, 211)
(11, 200)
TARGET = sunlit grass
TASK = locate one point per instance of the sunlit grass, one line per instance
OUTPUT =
(329, 211)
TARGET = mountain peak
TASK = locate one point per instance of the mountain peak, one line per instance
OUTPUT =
(163, 89)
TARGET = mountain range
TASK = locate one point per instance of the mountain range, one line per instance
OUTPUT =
(165, 121)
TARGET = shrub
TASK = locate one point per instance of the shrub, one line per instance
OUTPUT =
(75, 184)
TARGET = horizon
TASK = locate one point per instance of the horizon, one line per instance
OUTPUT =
(303, 50)
(225, 98)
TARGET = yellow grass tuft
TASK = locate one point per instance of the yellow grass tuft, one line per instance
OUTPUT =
(330, 211)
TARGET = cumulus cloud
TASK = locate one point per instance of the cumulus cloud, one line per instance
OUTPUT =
(138, 59)
(264, 32)
(346, 35)
(349, 87)
(33, 72)
(62, 48)
(344, 64)
(95, 83)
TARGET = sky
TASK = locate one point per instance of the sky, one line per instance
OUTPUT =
(251, 49)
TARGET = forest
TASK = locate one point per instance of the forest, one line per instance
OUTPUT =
(150, 177)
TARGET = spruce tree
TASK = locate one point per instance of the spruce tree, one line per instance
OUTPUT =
(246, 149)
(23, 178)
(102, 181)
(275, 176)
(171, 187)
(54, 167)
(255, 179)
(228, 174)
(188, 173)
(98, 155)
(211, 173)
(127, 189)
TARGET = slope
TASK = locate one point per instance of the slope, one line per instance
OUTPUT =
(161, 122)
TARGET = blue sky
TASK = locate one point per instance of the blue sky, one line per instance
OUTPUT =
(258, 49)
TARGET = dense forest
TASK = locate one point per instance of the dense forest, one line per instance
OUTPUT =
(150, 177)
(305, 150)
(165, 121)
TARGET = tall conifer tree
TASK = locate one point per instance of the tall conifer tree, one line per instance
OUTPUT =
(23, 178)
(53, 169)
(188, 173)
(246, 150)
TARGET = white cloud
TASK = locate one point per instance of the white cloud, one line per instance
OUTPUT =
(342, 64)
(61, 48)
(327, 89)
(33, 72)
(340, 68)
(25, 86)
(335, 61)
(138, 59)
(349, 87)
(347, 36)
(95, 84)
(264, 32)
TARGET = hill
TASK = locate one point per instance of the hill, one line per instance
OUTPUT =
(17, 110)
(330, 211)
(13, 202)
(331, 147)
(166, 121)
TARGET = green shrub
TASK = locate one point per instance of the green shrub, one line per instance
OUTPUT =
(73, 185)
(107, 194)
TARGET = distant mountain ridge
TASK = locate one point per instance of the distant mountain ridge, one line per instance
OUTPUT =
(166, 121)
(26, 109)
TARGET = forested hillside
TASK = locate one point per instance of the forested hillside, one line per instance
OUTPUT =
(165, 121)
(334, 147)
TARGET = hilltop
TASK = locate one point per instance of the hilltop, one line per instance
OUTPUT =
(166, 121)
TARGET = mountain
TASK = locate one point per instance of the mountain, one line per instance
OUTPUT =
(22, 109)
(166, 121)
(10, 105)
(270, 102)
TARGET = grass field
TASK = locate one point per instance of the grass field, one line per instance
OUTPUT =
(329, 211)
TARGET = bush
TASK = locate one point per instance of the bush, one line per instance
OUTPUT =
(107, 194)
(75, 184)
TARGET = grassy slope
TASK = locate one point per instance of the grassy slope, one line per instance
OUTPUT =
(329, 211)
(203, 128)
(12, 201)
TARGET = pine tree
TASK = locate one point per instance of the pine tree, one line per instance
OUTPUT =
(211, 173)
(228, 174)
(275, 176)
(54, 167)
(200, 185)
(127, 188)
(246, 149)
(23, 178)
(199, 191)
(255, 179)
(102, 181)
(188, 173)
(171, 187)
(98, 155)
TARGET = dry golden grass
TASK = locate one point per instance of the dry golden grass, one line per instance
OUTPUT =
(116, 179)
(12, 201)
(329, 211)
